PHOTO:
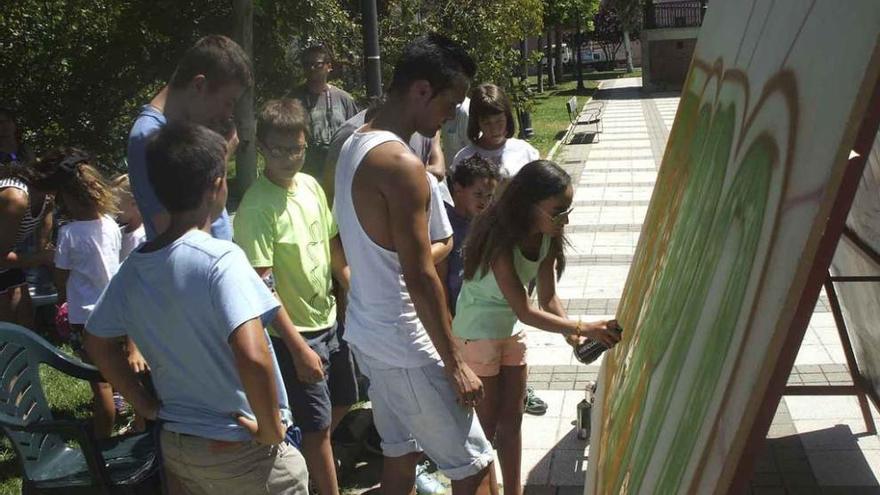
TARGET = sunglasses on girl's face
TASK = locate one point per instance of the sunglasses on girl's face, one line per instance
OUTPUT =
(560, 217)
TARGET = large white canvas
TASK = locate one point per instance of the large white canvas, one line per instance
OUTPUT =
(775, 96)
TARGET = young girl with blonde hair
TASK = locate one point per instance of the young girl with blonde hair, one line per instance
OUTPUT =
(87, 249)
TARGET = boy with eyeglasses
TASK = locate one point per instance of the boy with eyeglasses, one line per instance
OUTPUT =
(327, 106)
(285, 227)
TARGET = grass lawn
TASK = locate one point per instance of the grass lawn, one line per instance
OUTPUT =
(549, 116)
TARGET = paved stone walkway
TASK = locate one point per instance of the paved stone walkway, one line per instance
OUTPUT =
(816, 444)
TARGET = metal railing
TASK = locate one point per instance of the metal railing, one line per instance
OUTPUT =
(674, 14)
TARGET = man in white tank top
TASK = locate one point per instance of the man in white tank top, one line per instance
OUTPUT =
(397, 321)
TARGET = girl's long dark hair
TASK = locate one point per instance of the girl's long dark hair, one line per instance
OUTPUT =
(507, 222)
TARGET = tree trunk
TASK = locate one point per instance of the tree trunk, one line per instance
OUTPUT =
(551, 67)
(610, 50)
(559, 64)
(246, 155)
(579, 69)
(627, 47)
(540, 65)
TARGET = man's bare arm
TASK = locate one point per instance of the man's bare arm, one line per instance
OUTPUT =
(443, 273)
(406, 193)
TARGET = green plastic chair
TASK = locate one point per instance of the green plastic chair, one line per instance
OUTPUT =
(49, 464)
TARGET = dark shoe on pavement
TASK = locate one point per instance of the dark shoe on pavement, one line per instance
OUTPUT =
(534, 405)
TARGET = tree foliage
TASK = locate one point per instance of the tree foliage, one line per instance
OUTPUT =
(630, 14)
(608, 25)
(565, 12)
(489, 31)
(283, 28)
(607, 31)
(77, 71)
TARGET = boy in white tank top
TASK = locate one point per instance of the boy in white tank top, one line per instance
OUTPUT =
(397, 321)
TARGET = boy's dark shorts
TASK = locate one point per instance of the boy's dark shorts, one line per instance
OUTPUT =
(311, 403)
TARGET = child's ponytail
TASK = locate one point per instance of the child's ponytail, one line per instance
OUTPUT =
(71, 172)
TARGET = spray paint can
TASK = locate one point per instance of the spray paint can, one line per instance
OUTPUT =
(590, 350)
(583, 419)
(584, 408)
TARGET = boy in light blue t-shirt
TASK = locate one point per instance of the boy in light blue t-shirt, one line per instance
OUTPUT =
(197, 311)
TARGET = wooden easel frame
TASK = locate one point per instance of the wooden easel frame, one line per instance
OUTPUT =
(861, 388)
(816, 277)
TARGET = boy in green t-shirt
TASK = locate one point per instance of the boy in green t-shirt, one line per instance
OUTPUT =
(286, 228)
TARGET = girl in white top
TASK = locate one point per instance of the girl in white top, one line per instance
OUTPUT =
(87, 252)
(491, 128)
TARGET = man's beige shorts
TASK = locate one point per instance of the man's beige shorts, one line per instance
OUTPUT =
(196, 466)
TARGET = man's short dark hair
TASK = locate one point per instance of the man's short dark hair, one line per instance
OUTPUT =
(316, 50)
(471, 169)
(285, 115)
(433, 58)
(219, 59)
(183, 161)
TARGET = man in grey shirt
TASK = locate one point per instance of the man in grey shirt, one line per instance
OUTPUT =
(328, 106)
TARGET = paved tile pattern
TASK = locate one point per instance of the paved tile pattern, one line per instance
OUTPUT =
(815, 445)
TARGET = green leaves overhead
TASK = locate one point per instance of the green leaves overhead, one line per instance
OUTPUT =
(77, 71)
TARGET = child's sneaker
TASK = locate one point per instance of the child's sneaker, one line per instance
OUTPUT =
(534, 405)
(426, 483)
